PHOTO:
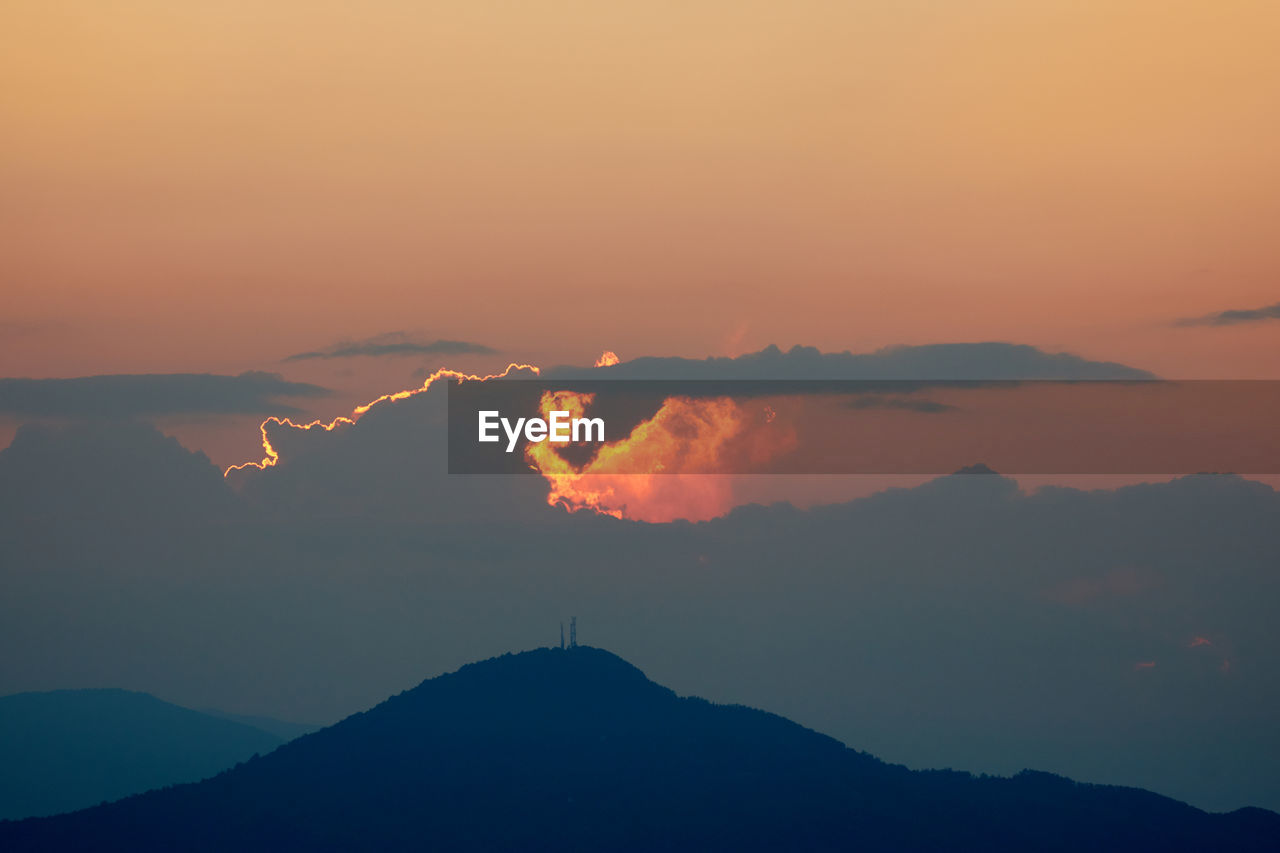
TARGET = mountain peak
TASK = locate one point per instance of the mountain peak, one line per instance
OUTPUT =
(579, 669)
(556, 749)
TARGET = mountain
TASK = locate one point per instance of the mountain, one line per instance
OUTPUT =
(283, 729)
(576, 749)
(69, 749)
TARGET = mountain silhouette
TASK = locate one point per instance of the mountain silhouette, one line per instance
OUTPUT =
(68, 749)
(575, 749)
(283, 729)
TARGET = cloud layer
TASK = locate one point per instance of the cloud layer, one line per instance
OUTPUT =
(961, 623)
(393, 344)
(1234, 316)
(128, 395)
(994, 360)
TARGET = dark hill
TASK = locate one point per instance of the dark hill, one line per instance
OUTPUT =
(576, 750)
(68, 749)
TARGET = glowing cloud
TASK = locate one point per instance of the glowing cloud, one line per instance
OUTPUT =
(663, 469)
(272, 456)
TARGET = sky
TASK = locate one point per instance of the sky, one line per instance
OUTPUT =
(353, 195)
(214, 187)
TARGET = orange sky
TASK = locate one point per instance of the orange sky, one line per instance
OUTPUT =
(213, 186)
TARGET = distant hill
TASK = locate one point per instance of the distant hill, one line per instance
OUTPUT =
(576, 750)
(282, 729)
(69, 749)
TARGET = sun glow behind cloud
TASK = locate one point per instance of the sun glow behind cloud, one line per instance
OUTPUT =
(272, 456)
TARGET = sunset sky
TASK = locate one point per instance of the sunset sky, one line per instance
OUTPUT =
(213, 187)
(222, 220)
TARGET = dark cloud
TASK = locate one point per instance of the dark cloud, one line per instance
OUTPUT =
(394, 344)
(130, 395)
(963, 622)
(1234, 316)
(960, 623)
(976, 361)
(124, 473)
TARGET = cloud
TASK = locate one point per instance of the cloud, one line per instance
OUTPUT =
(380, 460)
(120, 472)
(359, 564)
(129, 395)
(993, 360)
(394, 344)
(925, 406)
(123, 566)
(1234, 316)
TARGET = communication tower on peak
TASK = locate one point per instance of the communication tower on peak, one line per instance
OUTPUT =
(573, 632)
(562, 636)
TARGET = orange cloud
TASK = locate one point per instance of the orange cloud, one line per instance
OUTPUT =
(664, 469)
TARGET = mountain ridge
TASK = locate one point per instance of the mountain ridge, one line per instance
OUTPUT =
(577, 749)
(62, 750)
